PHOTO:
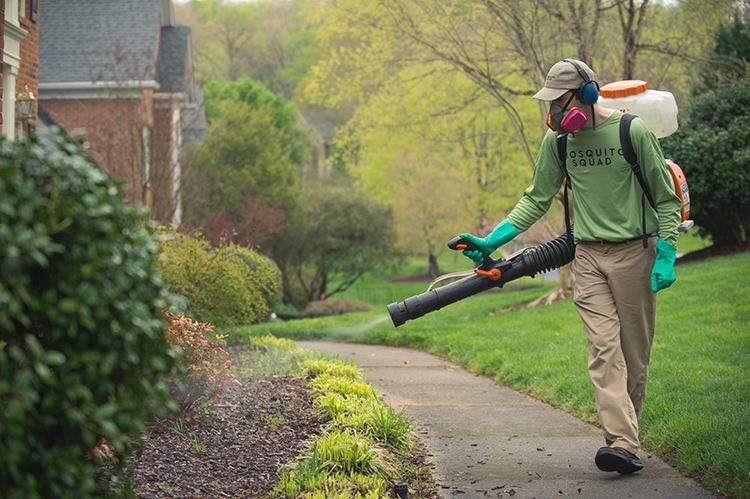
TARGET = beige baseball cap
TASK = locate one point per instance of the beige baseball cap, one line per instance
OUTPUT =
(563, 76)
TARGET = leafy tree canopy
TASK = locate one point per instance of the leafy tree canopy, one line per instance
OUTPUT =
(713, 147)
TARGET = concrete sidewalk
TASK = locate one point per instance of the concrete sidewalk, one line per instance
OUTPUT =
(486, 440)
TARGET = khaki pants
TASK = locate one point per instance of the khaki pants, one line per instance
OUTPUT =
(614, 299)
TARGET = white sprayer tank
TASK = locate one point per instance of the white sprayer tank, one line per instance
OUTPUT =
(655, 107)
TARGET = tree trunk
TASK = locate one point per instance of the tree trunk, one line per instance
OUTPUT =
(432, 264)
(323, 288)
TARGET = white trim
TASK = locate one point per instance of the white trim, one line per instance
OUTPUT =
(15, 30)
(82, 90)
(101, 94)
(12, 36)
(176, 167)
(95, 85)
(9, 101)
(170, 95)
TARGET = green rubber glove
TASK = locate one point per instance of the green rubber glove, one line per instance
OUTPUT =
(662, 274)
(501, 234)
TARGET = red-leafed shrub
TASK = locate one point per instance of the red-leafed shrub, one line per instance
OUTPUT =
(203, 364)
(251, 223)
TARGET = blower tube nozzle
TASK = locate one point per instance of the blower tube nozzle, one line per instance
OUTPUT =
(543, 258)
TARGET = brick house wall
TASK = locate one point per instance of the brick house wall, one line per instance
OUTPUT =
(162, 153)
(114, 127)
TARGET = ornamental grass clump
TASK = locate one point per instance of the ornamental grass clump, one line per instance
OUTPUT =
(362, 438)
(316, 367)
(337, 464)
(83, 356)
(269, 355)
(326, 383)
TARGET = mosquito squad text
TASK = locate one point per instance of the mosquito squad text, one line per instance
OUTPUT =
(600, 156)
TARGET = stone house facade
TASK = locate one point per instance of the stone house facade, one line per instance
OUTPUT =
(119, 74)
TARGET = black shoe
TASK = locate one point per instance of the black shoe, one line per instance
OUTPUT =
(617, 459)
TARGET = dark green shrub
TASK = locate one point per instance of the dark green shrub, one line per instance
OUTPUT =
(334, 306)
(83, 354)
(713, 148)
(219, 285)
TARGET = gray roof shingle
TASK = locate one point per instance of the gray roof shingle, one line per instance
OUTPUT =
(172, 66)
(98, 40)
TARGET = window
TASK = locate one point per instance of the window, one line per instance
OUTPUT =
(11, 11)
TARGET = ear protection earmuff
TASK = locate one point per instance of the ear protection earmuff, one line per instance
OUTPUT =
(588, 92)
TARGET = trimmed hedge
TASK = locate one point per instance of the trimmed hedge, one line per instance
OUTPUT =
(83, 356)
(225, 286)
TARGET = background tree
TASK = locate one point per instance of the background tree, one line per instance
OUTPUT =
(253, 148)
(332, 240)
(713, 142)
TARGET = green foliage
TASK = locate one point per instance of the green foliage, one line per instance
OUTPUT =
(265, 273)
(329, 383)
(713, 148)
(389, 427)
(316, 367)
(731, 54)
(83, 356)
(335, 237)
(266, 40)
(334, 306)
(218, 285)
(254, 97)
(242, 153)
(338, 463)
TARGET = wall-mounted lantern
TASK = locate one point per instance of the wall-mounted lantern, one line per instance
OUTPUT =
(25, 101)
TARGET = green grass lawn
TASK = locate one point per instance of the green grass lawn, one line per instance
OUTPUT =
(380, 290)
(697, 411)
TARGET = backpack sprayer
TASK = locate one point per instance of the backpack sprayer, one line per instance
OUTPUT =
(491, 274)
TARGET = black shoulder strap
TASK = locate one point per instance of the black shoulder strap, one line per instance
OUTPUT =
(629, 153)
(562, 156)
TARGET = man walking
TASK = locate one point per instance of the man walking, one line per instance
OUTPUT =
(625, 250)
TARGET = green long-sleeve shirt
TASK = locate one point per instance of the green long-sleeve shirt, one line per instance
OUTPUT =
(606, 194)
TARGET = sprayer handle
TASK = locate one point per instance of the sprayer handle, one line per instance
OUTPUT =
(459, 243)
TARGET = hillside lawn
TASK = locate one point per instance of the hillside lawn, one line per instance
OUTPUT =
(697, 411)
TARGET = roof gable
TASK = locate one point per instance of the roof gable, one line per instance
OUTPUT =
(99, 41)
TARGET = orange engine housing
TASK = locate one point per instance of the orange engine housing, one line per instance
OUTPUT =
(679, 183)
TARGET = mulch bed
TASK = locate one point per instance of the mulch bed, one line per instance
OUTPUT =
(235, 448)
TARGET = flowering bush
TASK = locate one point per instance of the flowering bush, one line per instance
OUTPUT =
(203, 364)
